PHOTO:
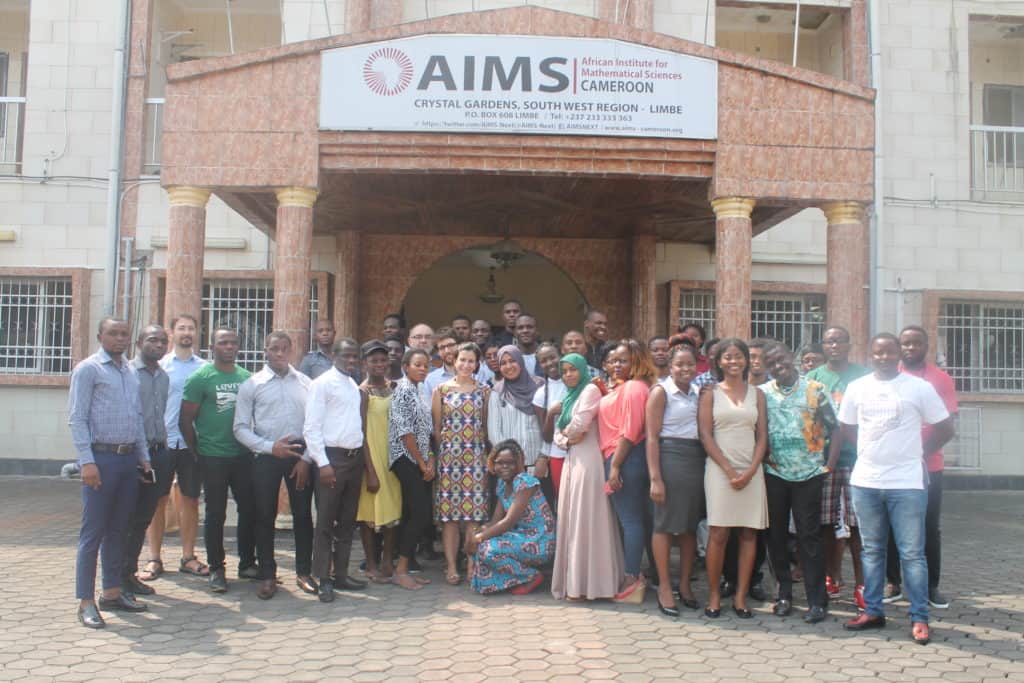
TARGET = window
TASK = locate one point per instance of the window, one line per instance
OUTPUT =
(795, 319)
(983, 344)
(964, 450)
(35, 325)
(248, 307)
(1003, 105)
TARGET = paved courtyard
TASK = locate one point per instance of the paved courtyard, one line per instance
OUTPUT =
(448, 633)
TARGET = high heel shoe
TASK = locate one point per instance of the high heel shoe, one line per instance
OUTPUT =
(689, 603)
(633, 593)
(712, 613)
(742, 612)
(667, 611)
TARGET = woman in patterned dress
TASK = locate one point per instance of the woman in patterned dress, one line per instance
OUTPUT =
(520, 538)
(459, 408)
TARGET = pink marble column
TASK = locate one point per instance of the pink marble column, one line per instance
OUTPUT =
(635, 13)
(857, 55)
(357, 15)
(733, 233)
(292, 261)
(847, 271)
(185, 237)
(644, 302)
(386, 13)
(346, 299)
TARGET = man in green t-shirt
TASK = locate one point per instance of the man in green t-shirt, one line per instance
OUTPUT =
(836, 502)
(207, 417)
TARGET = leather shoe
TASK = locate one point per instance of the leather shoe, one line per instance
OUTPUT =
(758, 593)
(863, 622)
(307, 584)
(728, 589)
(131, 584)
(326, 591)
(267, 589)
(218, 584)
(742, 612)
(815, 614)
(350, 584)
(122, 603)
(782, 608)
(90, 617)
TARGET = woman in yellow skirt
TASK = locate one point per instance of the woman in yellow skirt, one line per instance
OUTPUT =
(380, 501)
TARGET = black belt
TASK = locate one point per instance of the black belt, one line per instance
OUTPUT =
(115, 448)
(346, 452)
(683, 440)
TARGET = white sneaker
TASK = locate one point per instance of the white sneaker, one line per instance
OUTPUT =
(893, 592)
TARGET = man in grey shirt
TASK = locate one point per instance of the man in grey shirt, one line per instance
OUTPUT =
(106, 428)
(153, 386)
(269, 415)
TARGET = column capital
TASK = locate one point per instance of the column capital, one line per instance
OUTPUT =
(188, 195)
(843, 212)
(733, 207)
(296, 196)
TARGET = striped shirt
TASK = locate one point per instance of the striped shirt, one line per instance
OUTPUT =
(104, 407)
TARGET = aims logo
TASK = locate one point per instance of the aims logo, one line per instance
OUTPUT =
(387, 71)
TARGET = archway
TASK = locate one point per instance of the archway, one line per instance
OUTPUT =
(459, 284)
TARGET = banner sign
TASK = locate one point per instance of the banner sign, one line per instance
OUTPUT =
(518, 84)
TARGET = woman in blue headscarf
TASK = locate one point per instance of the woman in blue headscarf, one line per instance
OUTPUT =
(588, 551)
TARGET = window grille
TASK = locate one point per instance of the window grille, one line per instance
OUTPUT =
(35, 325)
(246, 306)
(983, 345)
(795, 319)
(964, 450)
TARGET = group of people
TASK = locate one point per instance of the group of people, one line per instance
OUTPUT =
(571, 458)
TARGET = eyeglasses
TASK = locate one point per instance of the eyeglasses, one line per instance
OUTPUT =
(420, 336)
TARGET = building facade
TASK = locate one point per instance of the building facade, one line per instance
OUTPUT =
(235, 204)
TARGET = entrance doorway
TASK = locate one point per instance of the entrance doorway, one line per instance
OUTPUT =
(460, 284)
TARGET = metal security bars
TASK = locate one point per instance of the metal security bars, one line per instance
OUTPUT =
(964, 451)
(795, 319)
(997, 158)
(246, 306)
(35, 325)
(983, 344)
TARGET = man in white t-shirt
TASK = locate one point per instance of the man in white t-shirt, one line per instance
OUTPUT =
(883, 414)
(549, 394)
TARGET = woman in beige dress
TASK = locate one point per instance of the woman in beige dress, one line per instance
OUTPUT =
(732, 422)
(588, 550)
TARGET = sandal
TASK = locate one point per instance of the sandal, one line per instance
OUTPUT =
(153, 570)
(201, 570)
(453, 579)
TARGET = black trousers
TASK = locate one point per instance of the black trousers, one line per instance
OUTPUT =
(145, 506)
(336, 514)
(267, 472)
(730, 569)
(220, 475)
(932, 538)
(416, 507)
(803, 499)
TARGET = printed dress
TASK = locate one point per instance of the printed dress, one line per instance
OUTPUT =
(512, 559)
(462, 494)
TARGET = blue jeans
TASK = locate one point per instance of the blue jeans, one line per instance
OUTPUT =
(904, 510)
(633, 506)
(106, 514)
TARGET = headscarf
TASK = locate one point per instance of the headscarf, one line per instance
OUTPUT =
(569, 400)
(520, 391)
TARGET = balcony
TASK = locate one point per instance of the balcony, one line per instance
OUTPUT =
(153, 125)
(12, 133)
(997, 163)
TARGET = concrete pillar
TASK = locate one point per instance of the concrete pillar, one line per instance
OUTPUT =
(292, 262)
(357, 15)
(636, 13)
(386, 13)
(645, 322)
(186, 234)
(346, 298)
(733, 233)
(847, 271)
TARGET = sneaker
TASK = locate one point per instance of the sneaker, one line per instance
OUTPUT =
(858, 597)
(218, 583)
(937, 600)
(893, 592)
(831, 587)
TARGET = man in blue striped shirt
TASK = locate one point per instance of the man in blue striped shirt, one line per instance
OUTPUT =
(105, 415)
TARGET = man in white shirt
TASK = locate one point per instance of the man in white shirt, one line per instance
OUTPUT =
(269, 415)
(334, 428)
(883, 414)
(548, 395)
(447, 343)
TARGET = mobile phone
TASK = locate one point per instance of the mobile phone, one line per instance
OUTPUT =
(300, 442)
(148, 476)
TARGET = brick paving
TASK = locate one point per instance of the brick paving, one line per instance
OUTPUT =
(448, 633)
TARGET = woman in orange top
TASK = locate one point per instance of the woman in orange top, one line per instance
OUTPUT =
(621, 434)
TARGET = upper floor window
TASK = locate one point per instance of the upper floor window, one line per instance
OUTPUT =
(983, 344)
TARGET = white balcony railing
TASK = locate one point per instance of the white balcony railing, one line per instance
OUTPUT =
(153, 126)
(997, 159)
(12, 132)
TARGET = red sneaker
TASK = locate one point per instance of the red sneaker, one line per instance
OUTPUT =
(858, 597)
(528, 587)
(864, 622)
(831, 587)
